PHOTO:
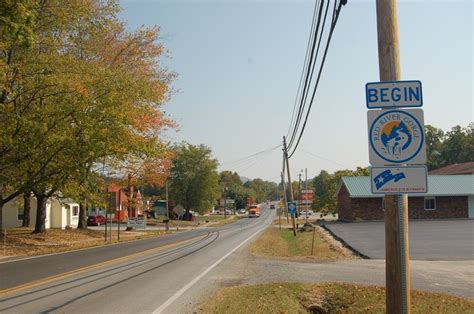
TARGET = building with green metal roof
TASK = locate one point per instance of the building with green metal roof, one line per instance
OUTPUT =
(448, 196)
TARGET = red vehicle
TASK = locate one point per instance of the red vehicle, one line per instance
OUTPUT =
(96, 220)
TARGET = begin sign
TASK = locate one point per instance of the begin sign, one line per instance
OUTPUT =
(393, 94)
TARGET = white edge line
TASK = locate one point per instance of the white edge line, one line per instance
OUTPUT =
(181, 291)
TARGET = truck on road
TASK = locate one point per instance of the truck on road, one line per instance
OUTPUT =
(254, 211)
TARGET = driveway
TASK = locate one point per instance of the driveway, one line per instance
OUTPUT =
(435, 240)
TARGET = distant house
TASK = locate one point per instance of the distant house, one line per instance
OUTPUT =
(462, 168)
(119, 204)
(449, 196)
(59, 213)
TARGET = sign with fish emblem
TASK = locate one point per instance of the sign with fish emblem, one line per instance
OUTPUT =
(396, 137)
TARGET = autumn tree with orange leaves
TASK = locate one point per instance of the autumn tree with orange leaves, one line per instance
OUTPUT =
(78, 91)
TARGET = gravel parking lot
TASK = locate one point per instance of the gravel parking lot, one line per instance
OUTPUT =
(437, 240)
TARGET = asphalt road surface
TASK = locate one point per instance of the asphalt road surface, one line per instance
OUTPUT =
(146, 276)
(435, 240)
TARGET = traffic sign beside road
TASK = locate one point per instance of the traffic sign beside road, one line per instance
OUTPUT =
(291, 207)
(396, 180)
(396, 137)
(393, 94)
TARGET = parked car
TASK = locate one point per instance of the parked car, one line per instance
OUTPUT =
(96, 220)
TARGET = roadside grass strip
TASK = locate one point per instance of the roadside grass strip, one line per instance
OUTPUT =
(282, 243)
(208, 221)
(324, 298)
(21, 242)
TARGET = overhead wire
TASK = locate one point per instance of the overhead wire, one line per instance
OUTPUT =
(309, 72)
(269, 149)
(303, 71)
(335, 18)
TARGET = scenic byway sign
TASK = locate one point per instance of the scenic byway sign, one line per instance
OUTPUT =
(396, 180)
(396, 137)
(393, 94)
(291, 207)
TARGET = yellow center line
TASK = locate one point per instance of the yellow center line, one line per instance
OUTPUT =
(117, 260)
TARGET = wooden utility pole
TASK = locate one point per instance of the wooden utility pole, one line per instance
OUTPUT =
(306, 188)
(285, 156)
(397, 270)
(300, 199)
(284, 192)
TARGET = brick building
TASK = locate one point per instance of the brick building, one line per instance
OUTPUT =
(449, 196)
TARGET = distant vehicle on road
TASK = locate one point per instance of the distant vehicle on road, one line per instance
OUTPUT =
(96, 220)
(272, 206)
(254, 211)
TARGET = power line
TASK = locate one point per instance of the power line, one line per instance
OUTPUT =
(309, 71)
(335, 18)
(304, 70)
(323, 158)
(267, 150)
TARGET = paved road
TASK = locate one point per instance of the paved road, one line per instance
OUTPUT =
(153, 281)
(436, 240)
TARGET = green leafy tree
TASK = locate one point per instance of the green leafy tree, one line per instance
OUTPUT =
(62, 105)
(326, 185)
(194, 181)
(434, 141)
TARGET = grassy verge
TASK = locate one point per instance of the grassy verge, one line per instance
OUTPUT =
(327, 298)
(282, 243)
(20, 241)
(211, 220)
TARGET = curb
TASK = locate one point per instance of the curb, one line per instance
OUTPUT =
(344, 243)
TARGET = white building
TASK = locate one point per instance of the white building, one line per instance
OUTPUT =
(59, 213)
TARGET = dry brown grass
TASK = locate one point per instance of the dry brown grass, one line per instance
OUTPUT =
(21, 242)
(281, 243)
(327, 298)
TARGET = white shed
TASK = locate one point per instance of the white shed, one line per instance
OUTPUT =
(64, 212)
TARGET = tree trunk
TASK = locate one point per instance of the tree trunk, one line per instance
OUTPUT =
(26, 209)
(40, 226)
(82, 216)
(1, 216)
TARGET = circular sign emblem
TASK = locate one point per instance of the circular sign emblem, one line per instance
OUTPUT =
(396, 136)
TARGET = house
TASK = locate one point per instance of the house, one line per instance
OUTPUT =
(59, 213)
(449, 196)
(120, 205)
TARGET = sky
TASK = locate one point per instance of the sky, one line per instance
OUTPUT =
(239, 63)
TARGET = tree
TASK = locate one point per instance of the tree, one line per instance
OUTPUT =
(458, 146)
(326, 187)
(446, 148)
(194, 178)
(434, 141)
(62, 103)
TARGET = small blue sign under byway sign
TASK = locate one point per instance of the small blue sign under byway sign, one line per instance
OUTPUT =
(393, 94)
(291, 207)
(397, 180)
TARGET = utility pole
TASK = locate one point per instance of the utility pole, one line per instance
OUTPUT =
(285, 156)
(284, 192)
(167, 226)
(397, 268)
(300, 200)
(306, 188)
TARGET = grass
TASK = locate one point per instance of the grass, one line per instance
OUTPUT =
(211, 220)
(327, 298)
(281, 243)
(20, 241)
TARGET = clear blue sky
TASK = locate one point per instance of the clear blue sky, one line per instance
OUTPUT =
(239, 64)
